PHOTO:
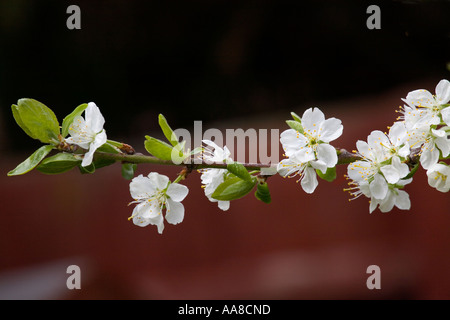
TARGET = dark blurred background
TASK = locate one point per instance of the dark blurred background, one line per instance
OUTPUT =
(230, 64)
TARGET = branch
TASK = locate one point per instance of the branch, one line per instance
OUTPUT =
(344, 157)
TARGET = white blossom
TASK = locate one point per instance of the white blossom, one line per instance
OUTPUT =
(211, 178)
(310, 149)
(433, 143)
(439, 177)
(154, 193)
(425, 108)
(88, 133)
(381, 163)
(394, 197)
(380, 174)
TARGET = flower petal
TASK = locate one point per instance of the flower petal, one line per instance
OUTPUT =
(379, 142)
(430, 155)
(80, 133)
(327, 154)
(420, 97)
(288, 167)
(224, 205)
(378, 187)
(398, 134)
(141, 187)
(149, 209)
(292, 141)
(88, 157)
(387, 204)
(139, 221)
(304, 155)
(373, 204)
(174, 212)
(94, 118)
(319, 165)
(309, 181)
(446, 115)
(402, 200)
(443, 91)
(100, 139)
(390, 173)
(364, 149)
(444, 145)
(160, 181)
(312, 120)
(330, 130)
(357, 170)
(177, 192)
(395, 171)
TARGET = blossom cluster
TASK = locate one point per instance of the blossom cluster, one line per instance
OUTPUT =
(387, 159)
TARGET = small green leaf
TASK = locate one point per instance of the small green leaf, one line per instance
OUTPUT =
(297, 126)
(39, 120)
(88, 169)
(69, 119)
(296, 117)
(32, 161)
(128, 170)
(239, 170)
(116, 144)
(108, 147)
(58, 163)
(262, 192)
(100, 163)
(412, 172)
(233, 188)
(329, 176)
(158, 148)
(167, 130)
(16, 115)
(177, 154)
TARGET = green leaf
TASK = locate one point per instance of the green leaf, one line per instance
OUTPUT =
(297, 126)
(167, 130)
(58, 163)
(239, 170)
(296, 117)
(158, 148)
(116, 144)
(177, 154)
(412, 172)
(329, 176)
(128, 170)
(233, 188)
(100, 163)
(69, 119)
(16, 115)
(32, 161)
(108, 147)
(262, 192)
(88, 169)
(39, 120)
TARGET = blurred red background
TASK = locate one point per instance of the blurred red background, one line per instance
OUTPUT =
(298, 247)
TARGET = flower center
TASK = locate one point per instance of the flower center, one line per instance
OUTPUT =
(440, 176)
